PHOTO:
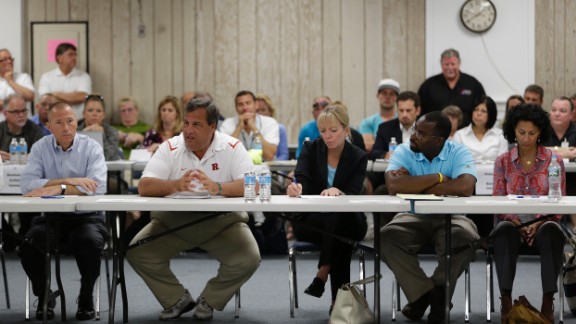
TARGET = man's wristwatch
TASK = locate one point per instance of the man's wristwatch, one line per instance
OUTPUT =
(63, 187)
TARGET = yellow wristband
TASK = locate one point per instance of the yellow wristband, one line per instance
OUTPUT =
(441, 177)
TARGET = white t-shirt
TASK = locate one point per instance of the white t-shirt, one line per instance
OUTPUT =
(22, 79)
(268, 127)
(492, 145)
(225, 160)
(75, 81)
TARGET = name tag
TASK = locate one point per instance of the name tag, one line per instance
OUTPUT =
(12, 174)
(466, 92)
(485, 180)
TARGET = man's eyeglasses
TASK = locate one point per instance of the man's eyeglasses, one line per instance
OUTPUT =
(320, 105)
(418, 135)
(17, 112)
(7, 59)
(94, 97)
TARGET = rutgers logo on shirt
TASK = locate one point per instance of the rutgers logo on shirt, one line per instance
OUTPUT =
(215, 167)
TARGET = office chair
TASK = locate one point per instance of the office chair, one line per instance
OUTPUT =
(307, 248)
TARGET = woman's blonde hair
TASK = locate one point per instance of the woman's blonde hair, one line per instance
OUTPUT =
(176, 104)
(268, 102)
(335, 112)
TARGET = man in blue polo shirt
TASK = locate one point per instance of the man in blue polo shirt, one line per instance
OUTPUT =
(428, 164)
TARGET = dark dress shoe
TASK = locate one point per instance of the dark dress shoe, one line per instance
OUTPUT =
(415, 311)
(437, 304)
(85, 309)
(316, 288)
(50, 307)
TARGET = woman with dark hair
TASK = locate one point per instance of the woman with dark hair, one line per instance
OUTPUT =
(484, 141)
(524, 171)
(330, 166)
(513, 101)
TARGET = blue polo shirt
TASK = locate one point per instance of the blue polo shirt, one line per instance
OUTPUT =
(309, 130)
(454, 160)
(369, 125)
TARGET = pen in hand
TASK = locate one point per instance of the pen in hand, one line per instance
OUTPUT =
(295, 187)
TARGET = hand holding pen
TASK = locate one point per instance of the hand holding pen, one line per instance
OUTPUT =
(294, 189)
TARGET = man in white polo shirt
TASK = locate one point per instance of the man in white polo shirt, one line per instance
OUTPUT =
(199, 159)
(249, 125)
(66, 82)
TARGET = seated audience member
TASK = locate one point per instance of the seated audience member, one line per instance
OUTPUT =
(388, 90)
(41, 117)
(67, 83)
(534, 94)
(513, 101)
(330, 166)
(167, 125)
(17, 125)
(562, 137)
(429, 164)
(454, 113)
(524, 170)
(249, 124)
(265, 107)
(484, 141)
(66, 163)
(130, 129)
(13, 82)
(93, 121)
(189, 158)
(310, 129)
(401, 128)
(573, 99)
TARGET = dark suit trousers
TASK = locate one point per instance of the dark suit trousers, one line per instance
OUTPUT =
(333, 252)
(84, 237)
(549, 242)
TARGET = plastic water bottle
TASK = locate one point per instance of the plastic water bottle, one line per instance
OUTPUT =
(250, 186)
(256, 151)
(23, 150)
(14, 156)
(554, 180)
(392, 147)
(265, 182)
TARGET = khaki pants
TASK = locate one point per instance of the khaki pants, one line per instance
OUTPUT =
(226, 237)
(404, 236)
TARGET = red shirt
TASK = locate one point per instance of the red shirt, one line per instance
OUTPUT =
(511, 178)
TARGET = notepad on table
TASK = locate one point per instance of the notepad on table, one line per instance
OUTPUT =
(419, 197)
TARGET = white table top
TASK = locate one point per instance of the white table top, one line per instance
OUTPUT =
(278, 203)
(495, 205)
(36, 204)
(119, 165)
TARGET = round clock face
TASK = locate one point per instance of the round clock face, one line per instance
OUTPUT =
(478, 15)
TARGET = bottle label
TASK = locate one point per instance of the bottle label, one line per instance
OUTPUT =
(265, 180)
(249, 180)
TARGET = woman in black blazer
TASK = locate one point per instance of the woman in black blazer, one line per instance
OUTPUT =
(330, 166)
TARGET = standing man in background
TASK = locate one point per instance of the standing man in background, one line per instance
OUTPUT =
(66, 82)
(388, 90)
(451, 87)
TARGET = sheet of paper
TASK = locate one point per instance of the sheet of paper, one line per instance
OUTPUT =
(527, 197)
(189, 195)
(364, 201)
(419, 197)
(317, 197)
(122, 200)
(140, 155)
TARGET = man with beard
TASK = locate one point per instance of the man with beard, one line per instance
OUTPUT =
(388, 90)
(428, 164)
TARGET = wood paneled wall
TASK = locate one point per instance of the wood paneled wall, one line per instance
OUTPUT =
(556, 48)
(292, 50)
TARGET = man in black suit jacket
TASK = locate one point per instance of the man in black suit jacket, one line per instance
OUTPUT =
(408, 105)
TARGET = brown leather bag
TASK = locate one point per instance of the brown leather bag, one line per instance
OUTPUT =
(524, 313)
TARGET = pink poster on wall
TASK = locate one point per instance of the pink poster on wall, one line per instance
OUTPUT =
(53, 44)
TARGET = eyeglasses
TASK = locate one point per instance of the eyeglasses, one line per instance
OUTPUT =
(17, 112)
(94, 97)
(418, 135)
(7, 59)
(320, 105)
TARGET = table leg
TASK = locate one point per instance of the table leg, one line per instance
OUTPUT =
(116, 229)
(376, 268)
(448, 247)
